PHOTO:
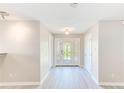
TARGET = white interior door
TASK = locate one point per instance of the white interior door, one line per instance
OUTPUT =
(67, 51)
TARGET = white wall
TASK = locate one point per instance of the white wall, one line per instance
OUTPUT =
(107, 52)
(2, 49)
(92, 67)
(46, 53)
(30, 51)
(111, 51)
(22, 43)
(51, 42)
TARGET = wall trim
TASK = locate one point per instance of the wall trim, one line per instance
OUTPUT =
(93, 78)
(46, 75)
(18, 83)
(111, 83)
(67, 66)
(82, 66)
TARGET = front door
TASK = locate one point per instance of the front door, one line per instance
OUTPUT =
(67, 51)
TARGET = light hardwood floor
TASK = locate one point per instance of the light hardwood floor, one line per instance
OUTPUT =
(66, 78)
(69, 78)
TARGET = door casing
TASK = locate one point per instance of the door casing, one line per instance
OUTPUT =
(67, 39)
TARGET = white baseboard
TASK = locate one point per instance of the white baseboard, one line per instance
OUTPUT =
(44, 78)
(93, 78)
(18, 83)
(67, 65)
(81, 66)
(112, 83)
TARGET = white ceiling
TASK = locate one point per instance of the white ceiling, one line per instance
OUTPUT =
(56, 16)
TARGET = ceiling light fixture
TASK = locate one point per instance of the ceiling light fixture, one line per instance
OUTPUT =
(74, 5)
(67, 30)
(67, 33)
(70, 29)
(3, 14)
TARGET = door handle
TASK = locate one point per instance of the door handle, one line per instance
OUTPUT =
(61, 52)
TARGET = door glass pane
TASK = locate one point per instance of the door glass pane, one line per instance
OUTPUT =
(67, 51)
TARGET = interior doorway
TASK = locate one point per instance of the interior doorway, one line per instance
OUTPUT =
(67, 51)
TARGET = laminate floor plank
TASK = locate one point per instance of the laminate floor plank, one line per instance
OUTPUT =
(69, 78)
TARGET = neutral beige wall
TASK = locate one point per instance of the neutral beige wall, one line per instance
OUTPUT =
(81, 36)
(111, 51)
(2, 41)
(22, 43)
(107, 51)
(2, 49)
(29, 45)
(92, 34)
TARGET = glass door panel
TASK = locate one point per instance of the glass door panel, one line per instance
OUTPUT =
(67, 51)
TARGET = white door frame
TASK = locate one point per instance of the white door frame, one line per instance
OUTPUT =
(55, 47)
(90, 54)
